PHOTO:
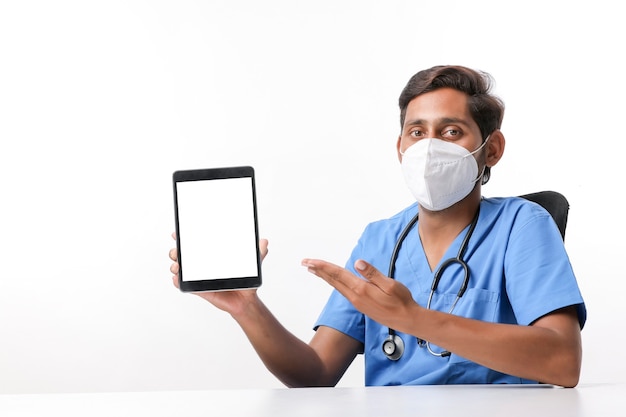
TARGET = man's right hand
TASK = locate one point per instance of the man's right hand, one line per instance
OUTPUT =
(230, 301)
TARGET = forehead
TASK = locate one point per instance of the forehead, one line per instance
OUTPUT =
(444, 103)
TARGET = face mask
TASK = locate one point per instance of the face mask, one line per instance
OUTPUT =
(439, 173)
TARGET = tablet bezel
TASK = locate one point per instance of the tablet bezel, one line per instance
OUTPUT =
(217, 284)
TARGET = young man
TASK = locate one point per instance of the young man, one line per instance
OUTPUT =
(520, 316)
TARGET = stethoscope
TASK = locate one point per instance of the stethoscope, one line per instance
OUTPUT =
(393, 346)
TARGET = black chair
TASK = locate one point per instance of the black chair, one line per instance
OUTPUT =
(555, 203)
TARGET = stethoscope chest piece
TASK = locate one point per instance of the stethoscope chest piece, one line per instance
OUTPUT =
(393, 347)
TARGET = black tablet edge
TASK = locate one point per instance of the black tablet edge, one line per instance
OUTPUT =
(218, 284)
(228, 284)
(213, 174)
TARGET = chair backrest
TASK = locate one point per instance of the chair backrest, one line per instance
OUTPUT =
(555, 203)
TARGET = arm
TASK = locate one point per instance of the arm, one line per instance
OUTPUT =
(549, 350)
(322, 362)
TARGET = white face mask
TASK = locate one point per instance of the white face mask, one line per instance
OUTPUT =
(439, 173)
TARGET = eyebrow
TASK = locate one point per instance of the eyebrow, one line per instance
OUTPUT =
(443, 120)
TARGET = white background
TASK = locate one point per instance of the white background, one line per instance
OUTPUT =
(100, 101)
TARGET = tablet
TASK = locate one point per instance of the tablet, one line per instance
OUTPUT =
(217, 229)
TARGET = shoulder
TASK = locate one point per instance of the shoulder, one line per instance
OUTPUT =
(512, 205)
(394, 224)
(513, 209)
(379, 237)
(517, 217)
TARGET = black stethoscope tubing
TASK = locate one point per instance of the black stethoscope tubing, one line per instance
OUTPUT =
(393, 346)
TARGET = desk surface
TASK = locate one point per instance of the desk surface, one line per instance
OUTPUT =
(591, 400)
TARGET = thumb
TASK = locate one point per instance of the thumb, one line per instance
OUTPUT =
(369, 272)
(387, 285)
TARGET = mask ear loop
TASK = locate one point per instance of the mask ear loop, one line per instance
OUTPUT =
(484, 166)
(481, 146)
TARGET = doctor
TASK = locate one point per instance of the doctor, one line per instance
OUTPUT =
(518, 321)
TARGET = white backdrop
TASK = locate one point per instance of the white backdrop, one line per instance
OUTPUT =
(100, 101)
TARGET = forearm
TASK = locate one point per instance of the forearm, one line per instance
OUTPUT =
(548, 351)
(290, 359)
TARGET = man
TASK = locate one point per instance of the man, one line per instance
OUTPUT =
(518, 321)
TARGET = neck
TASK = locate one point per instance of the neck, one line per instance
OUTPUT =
(438, 229)
(441, 227)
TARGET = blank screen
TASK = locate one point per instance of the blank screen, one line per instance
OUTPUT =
(216, 226)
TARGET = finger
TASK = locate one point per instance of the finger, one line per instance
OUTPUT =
(174, 235)
(175, 281)
(336, 276)
(174, 268)
(173, 254)
(373, 275)
(263, 244)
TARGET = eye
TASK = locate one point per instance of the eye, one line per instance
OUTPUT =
(416, 133)
(451, 133)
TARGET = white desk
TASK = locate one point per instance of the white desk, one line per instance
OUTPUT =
(424, 401)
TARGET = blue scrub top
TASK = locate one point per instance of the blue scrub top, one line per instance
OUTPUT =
(519, 272)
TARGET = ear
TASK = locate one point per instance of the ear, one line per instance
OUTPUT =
(495, 148)
(398, 144)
